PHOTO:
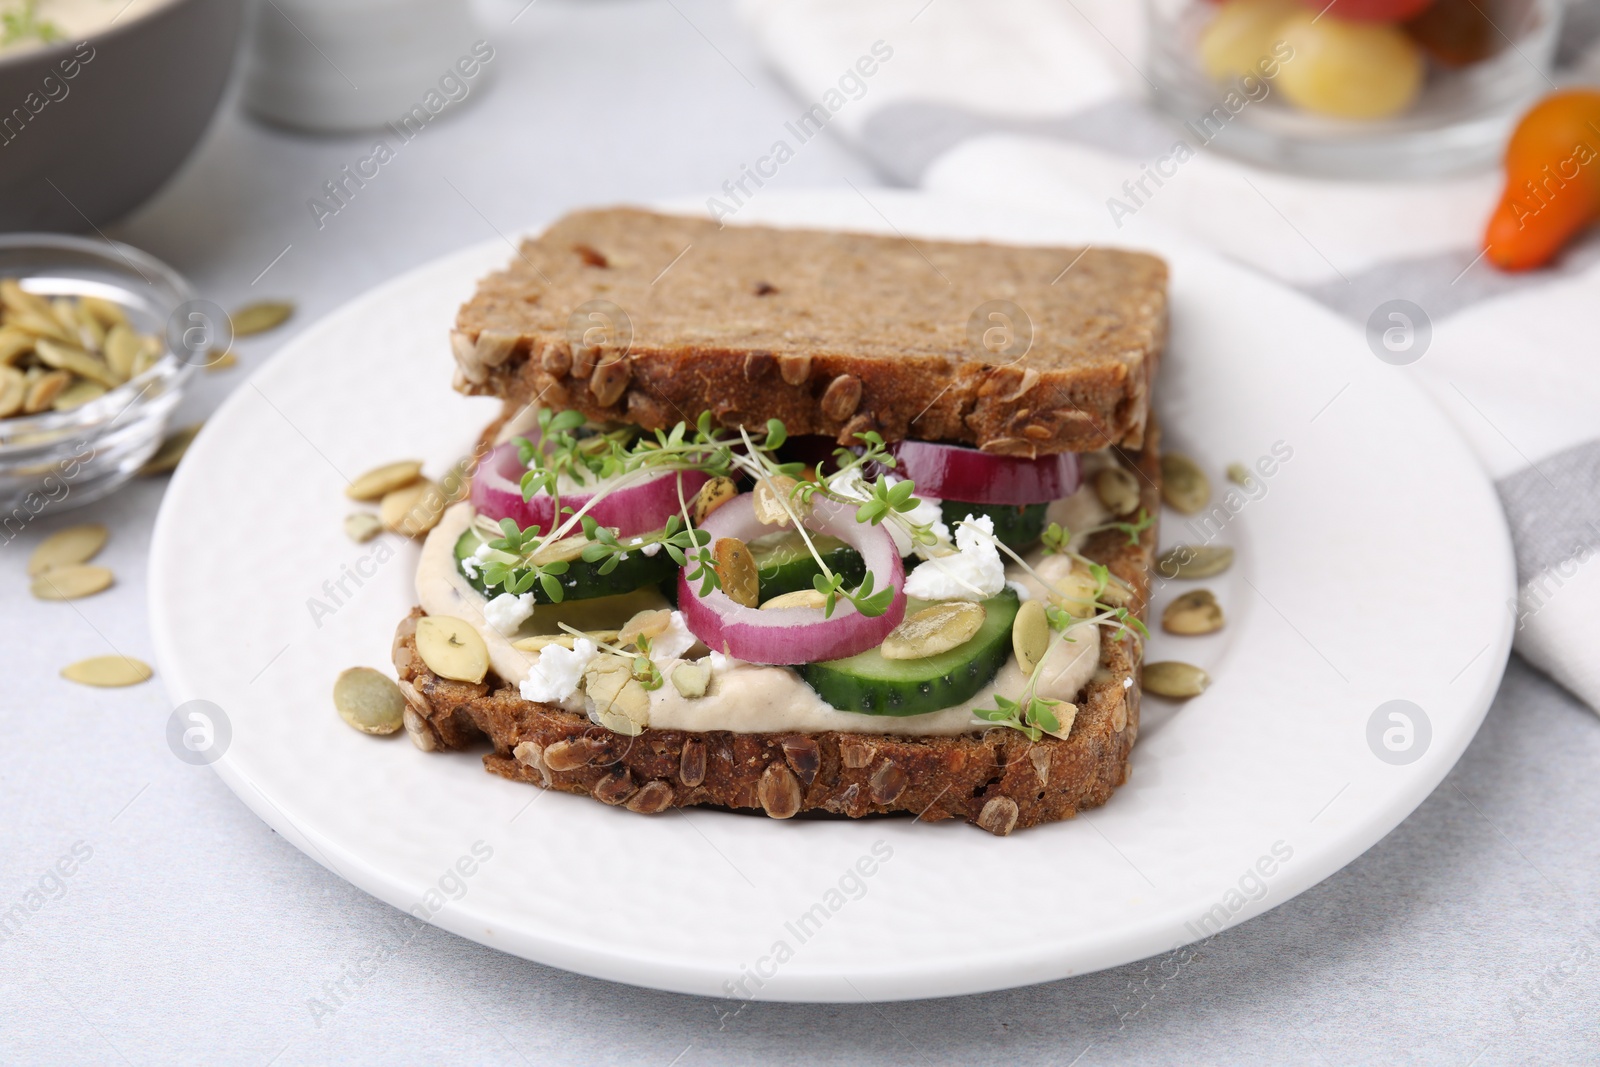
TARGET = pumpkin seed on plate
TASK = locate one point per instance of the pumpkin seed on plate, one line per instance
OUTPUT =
(736, 570)
(1030, 635)
(107, 671)
(171, 451)
(649, 624)
(690, 680)
(412, 510)
(621, 704)
(381, 481)
(933, 630)
(1117, 489)
(1184, 485)
(1192, 614)
(75, 544)
(261, 317)
(1171, 678)
(712, 495)
(771, 496)
(452, 648)
(72, 581)
(369, 701)
(800, 598)
(1239, 474)
(362, 526)
(537, 643)
(1194, 561)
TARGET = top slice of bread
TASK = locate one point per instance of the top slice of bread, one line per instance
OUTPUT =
(651, 319)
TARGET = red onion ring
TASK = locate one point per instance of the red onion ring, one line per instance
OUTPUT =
(953, 472)
(634, 509)
(795, 635)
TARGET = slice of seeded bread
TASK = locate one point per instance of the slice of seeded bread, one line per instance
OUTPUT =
(651, 319)
(996, 779)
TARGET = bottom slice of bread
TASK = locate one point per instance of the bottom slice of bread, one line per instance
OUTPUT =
(996, 779)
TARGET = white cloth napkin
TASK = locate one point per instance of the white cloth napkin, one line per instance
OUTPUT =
(1034, 100)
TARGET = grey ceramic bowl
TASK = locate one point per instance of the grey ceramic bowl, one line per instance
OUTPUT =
(90, 129)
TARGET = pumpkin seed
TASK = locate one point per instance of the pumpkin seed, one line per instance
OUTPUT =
(621, 704)
(14, 343)
(107, 671)
(44, 390)
(413, 510)
(1239, 474)
(107, 313)
(800, 598)
(150, 352)
(362, 526)
(19, 301)
(537, 643)
(71, 581)
(452, 648)
(563, 551)
(1030, 635)
(369, 701)
(76, 360)
(381, 481)
(1117, 489)
(13, 391)
(646, 624)
(1170, 678)
(1192, 614)
(78, 394)
(1194, 561)
(736, 569)
(171, 451)
(75, 544)
(770, 497)
(933, 630)
(221, 360)
(690, 680)
(41, 326)
(91, 334)
(122, 350)
(259, 318)
(1184, 485)
(712, 495)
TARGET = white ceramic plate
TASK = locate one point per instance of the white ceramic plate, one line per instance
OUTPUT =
(1372, 566)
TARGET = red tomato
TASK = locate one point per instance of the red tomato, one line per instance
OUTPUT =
(1371, 10)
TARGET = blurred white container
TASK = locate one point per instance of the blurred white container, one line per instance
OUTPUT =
(345, 65)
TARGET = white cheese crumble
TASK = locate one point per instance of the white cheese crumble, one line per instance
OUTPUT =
(652, 548)
(1019, 589)
(849, 483)
(974, 572)
(508, 611)
(672, 642)
(554, 678)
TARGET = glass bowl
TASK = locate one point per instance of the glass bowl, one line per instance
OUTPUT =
(1458, 121)
(57, 460)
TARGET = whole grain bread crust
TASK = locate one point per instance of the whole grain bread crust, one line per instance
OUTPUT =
(998, 779)
(652, 319)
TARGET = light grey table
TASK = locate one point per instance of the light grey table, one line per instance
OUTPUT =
(192, 933)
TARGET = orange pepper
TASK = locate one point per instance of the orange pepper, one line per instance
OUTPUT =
(1552, 181)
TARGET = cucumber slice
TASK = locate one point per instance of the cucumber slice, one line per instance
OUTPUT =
(583, 581)
(1018, 526)
(783, 564)
(873, 685)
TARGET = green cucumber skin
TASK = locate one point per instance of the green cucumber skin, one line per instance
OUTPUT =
(790, 567)
(583, 581)
(1017, 526)
(869, 684)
